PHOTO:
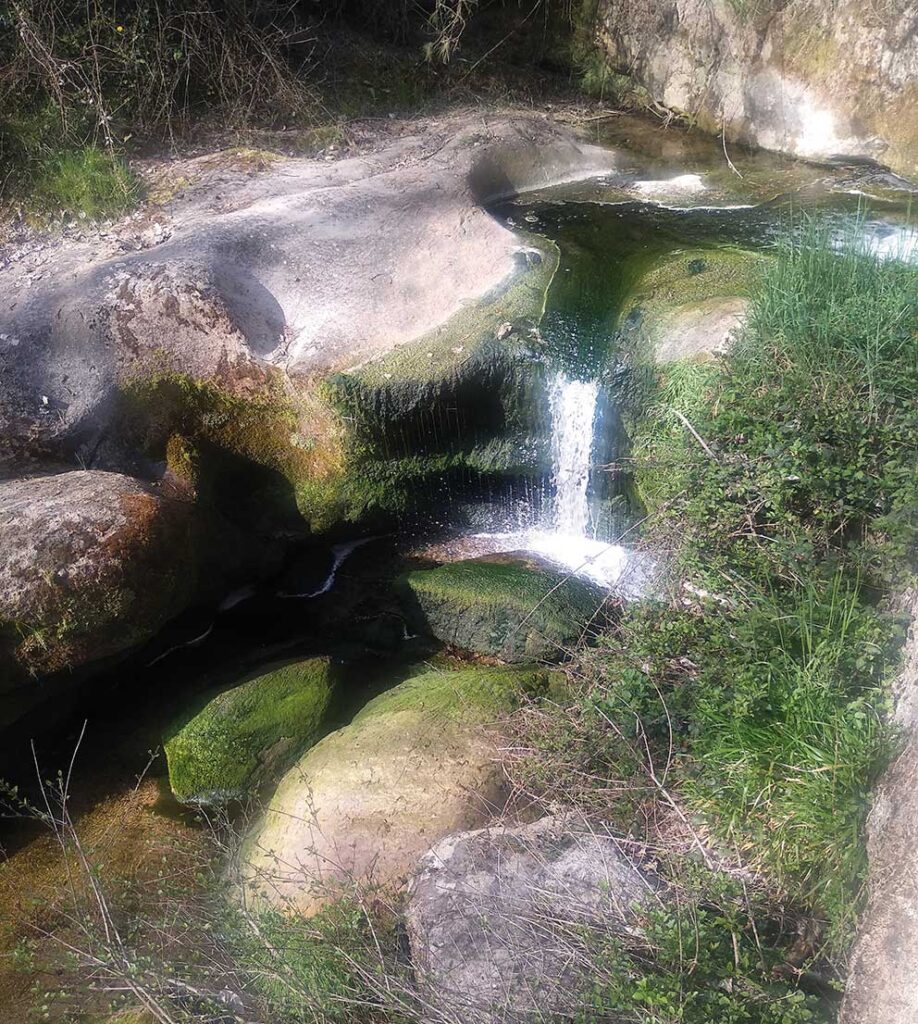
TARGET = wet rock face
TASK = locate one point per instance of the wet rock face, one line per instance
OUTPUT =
(230, 357)
(91, 563)
(813, 78)
(882, 981)
(500, 919)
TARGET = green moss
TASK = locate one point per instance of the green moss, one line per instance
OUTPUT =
(361, 443)
(242, 736)
(208, 434)
(506, 609)
(461, 694)
(468, 395)
(694, 275)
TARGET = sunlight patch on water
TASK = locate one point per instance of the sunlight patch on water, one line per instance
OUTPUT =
(608, 565)
(680, 184)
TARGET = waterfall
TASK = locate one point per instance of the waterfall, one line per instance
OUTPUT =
(566, 535)
(573, 417)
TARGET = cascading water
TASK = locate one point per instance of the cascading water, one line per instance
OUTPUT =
(566, 534)
(573, 417)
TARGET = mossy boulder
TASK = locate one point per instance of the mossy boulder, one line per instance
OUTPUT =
(467, 396)
(689, 304)
(509, 609)
(248, 734)
(416, 764)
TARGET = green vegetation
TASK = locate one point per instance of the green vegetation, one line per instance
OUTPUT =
(774, 708)
(127, 76)
(811, 426)
(321, 968)
(783, 482)
(455, 693)
(246, 735)
(87, 181)
(511, 610)
(707, 958)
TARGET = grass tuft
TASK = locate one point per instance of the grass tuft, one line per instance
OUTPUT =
(86, 183)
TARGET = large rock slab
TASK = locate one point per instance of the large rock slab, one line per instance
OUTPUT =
(359, 809)
(91, 563)
(304, 268)
(813, 78)
(504, 607)
(498, 918)
(882, 983)
(242, 737)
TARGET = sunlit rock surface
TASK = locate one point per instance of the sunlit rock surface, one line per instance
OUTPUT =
(502, 921)
(304, 268)
(816, 80)
(883, 981)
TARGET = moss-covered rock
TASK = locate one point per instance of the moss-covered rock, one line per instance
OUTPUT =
(244, 736)
(276, 453)
(507, 609)
(467, 396)
(689, 303)
(416, 764)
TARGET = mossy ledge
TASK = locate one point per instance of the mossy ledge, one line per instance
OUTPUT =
(245, 736)
(462, 694)
(468, 395)
(507, 609)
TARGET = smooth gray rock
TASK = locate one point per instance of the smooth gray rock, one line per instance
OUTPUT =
(812, 78)
(301, 269)
(499, 919)
(882, 983)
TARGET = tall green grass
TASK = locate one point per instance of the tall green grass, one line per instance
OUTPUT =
(788, 738)
(829, 308)
(801, 514)
(87, 181)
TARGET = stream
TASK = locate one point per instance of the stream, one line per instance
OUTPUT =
(673, 194)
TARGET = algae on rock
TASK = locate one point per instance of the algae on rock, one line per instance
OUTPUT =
(469, 395)
(358, 809)
(243, 736)
(504, 608)
(689, 303)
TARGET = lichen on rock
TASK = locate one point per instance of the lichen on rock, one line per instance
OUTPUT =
(91, 563)
(504, 922)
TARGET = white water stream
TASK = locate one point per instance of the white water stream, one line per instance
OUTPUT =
(568, 537)
(573, 420)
